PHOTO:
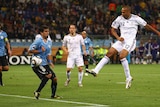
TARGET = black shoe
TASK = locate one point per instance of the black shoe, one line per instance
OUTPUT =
(56, 97)
(91, 72)
(36, 95)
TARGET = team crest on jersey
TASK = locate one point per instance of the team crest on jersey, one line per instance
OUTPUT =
(49, 46)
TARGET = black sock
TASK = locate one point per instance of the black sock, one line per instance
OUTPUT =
(86, 66)
(42, 84)
(53, 87)
(1, 83)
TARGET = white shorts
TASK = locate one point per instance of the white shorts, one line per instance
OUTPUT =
(73, 60)
(129, 45)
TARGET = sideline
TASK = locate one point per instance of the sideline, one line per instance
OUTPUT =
(54, 100)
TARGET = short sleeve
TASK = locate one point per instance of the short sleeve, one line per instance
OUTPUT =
(64, 43)
(35, 45)
(116, 23)
(141, 21)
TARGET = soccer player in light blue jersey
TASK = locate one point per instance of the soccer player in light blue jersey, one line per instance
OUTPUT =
(41, 47)
(89, 50)
(4, 49)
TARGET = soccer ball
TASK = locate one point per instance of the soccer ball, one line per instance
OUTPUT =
(36, 60)
(86, 74)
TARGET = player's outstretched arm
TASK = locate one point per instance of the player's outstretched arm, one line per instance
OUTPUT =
(149, 27)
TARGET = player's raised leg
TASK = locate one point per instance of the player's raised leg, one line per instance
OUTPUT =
(102, 62)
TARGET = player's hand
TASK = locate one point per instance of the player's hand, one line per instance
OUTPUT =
(121, 39)
(66, 51)
(9, 52)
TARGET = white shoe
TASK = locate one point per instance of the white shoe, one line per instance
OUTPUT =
(80, 84)
(128, 82)
(67, 82)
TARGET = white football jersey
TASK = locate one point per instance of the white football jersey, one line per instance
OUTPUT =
(73, 44)
(128, 27)
(39, 36)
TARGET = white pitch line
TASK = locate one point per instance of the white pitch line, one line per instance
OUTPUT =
(54, 100)
(120, 82)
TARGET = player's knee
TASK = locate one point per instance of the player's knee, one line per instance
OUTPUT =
(80, 69)
(121, 56)
(49, 75)
(55, 79)
(68, 70)
(109, 54)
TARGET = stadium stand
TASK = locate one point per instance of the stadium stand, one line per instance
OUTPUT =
(22, 19)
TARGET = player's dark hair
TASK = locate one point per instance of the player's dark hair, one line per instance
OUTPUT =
(43, 27)
(72, 25)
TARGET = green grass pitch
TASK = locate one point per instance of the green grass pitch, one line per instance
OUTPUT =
(108, 89)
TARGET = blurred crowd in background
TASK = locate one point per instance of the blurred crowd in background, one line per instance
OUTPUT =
(22, 18)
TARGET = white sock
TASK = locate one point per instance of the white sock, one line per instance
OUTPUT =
(125, 65)
(102, 62)
(68, 75)
(80, 77)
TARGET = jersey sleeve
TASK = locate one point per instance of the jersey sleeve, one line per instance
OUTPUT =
(116, 23)
(35, 45)
(37, 36)
(50, 51)
(141, 21)
(5, 37)
(64, 43)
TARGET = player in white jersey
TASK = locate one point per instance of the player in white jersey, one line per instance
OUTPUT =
(39, 36)
(72, 46)
(126, 41)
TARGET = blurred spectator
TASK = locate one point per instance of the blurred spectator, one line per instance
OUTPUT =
(112, 8)
(21, 17)
(141, 52)
(154, 51)
(148, 51)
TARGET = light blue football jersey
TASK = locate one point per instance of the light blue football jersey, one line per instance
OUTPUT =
(88, 44)
(37, 44)
(3, 36)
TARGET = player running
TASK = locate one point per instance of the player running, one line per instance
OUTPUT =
(72, 46)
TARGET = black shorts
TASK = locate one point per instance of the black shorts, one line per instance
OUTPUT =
(3, 60)
(85, 58)
(41, 71)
